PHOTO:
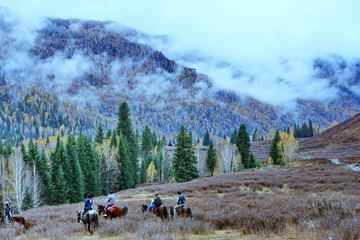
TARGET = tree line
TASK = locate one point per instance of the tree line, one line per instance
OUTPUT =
(66, 167)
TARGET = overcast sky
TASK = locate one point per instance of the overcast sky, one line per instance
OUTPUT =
(268, 39)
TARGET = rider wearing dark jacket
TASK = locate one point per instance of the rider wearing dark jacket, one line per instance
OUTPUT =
(180, 202)
(88, 203)
(156, 202)
(8, 211)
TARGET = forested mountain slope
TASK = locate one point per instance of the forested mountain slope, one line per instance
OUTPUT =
(94, 67)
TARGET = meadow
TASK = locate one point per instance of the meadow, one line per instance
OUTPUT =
(317, 200)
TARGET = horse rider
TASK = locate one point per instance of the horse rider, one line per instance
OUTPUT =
(180, 203)
(88, 205)
(110, 202)
(8, 211)
(156, 202)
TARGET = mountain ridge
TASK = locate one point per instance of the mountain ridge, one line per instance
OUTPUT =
(78, 59)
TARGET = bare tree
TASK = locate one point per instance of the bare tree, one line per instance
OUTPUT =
(17, 178)
(37, 188)
(3, 176)
(227, 155)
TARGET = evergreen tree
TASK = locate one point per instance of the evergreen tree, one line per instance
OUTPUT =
(233, 136)
(184, 160)
(76, 176)
(42, 166)
(211, 158)
(113, 141)
(123, 158)
(311, 129)
(108, 134)
(243, 144)
(125, 128)
(275, 153)
(124, 124)
(27, 201)
(60, 183)
(252, 161)
(146, 142)
(206, 139)
(99, 135)
(89, 165)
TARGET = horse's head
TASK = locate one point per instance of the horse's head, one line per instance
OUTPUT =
(144, 208)
(78, 216)
(101, 209)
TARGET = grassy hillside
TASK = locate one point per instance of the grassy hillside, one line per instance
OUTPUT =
(314, 201)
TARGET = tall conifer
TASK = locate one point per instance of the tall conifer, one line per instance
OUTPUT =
(184, 160)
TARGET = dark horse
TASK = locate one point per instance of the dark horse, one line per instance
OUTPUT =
(158, 211)
(182, 211)
(117, 212)
(91, 218)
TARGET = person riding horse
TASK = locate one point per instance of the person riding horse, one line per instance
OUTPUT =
(156, 202)
(8, 211)
(88, 205)
(180, 203)
(110, 202)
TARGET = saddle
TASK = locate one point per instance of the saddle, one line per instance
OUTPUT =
(112, 208)
(181, 207)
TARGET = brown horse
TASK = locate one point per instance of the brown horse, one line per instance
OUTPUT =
(160, 211)
(18, 219)
(91, 218)
(117, 212)
(182, 211)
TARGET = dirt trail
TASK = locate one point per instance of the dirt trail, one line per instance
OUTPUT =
(351, 166)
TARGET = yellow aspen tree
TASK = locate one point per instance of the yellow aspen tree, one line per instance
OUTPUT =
(151, 173)
(288, 146)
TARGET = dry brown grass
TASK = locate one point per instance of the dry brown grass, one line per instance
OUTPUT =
(316, 201)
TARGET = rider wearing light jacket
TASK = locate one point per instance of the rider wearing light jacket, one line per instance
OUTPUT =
(110, 201)
(180, 202)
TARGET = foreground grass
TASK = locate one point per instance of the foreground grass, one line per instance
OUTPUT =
(317, 201)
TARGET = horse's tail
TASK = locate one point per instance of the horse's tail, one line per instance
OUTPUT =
(96, 220)
(166, 214)
(125, 210)
(189, 213)
(171, 211)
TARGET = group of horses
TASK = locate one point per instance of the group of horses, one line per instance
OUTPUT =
(91, 218)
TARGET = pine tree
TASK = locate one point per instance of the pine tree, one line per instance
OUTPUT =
(76, 176)
(113, 141)
(125, 178)
(124, 124)
(124, 127)
(60, 191)
(243, 144)
(311, 129)
(89, 165)
(211, 158)
(108, 134)
(275, 153)
(99, 135)
(233, 136)
(42, 166)
(27, 201)
(184, 160)
(206, 139)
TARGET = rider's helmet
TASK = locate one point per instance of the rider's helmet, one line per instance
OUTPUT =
(179, 193)
(7, 203)
(88, 195)
(111, 192)
(156, 194)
